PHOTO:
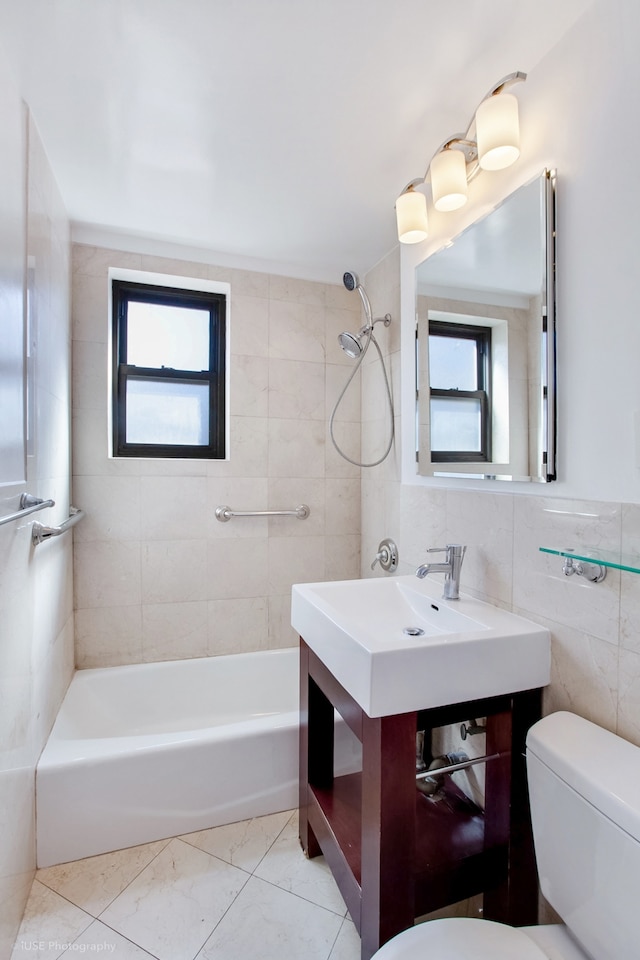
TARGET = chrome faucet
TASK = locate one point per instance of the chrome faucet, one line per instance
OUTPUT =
(452, 566)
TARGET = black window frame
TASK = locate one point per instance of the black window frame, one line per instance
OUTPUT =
(127, 291)
(482, 337)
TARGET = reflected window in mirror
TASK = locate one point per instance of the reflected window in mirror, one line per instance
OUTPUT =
(460, 392)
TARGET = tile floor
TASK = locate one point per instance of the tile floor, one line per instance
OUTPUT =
(238, 892)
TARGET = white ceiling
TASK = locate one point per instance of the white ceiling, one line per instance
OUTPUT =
(275, 130)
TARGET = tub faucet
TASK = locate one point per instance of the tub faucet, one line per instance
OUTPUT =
(452, 566)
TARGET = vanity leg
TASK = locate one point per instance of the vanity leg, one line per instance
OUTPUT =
(515, 901)
(316, 748)
(388, 828)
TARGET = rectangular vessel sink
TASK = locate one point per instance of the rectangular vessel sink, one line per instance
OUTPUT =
(395, 645)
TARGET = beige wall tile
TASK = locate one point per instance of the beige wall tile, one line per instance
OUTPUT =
(238, 625)
(179, 555)
(107, 573)
(249, 377)
(108, 636)
(296, 331)
(294, 560)
(281, 633)
(112, 508)
(173, 571)
(174, 631)
(296, 448)
(296, 390)
(173, 508)
(237, 568)
(249, 326)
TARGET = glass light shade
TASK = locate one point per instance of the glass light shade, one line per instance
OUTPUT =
(498, 132)
(449, 180)
(411, 214)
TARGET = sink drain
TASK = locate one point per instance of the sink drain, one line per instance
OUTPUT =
(413, 631)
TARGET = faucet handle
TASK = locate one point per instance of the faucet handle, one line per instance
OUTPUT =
(451, 549)
(387, 555)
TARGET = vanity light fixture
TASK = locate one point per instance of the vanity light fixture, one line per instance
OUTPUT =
(491, 142)
(411, 214)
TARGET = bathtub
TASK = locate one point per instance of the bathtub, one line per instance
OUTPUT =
(143, 752)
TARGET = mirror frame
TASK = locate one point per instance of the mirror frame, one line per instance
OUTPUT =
(548, 322)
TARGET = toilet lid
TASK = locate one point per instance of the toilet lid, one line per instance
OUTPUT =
(460, 938)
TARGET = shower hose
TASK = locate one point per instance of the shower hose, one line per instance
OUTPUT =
(356, 463)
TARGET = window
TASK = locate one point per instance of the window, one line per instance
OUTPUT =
(169, 372)
(459, 377)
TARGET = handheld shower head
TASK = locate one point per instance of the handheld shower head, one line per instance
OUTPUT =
(351, 343)
(351, 282)
(355, 345)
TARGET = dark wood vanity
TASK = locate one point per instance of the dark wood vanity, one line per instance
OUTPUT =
(395, 853)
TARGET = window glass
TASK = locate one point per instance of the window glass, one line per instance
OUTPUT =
(165, 336)
(167, 412)
(456, 424)
(453, 363)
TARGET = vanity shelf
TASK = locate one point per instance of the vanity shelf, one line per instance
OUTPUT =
(395, 853)
(606, 558)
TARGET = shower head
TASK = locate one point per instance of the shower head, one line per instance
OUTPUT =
(351, 282)
(351, 343)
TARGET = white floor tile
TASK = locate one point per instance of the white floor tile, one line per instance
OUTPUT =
(286, 866)
(164, 900)
(94, 882)
(50, 923)
(267, 923)
(347, 946)
(242, 844)
(99, 940)
(173, 905)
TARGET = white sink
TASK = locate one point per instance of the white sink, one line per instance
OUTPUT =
(363, 631)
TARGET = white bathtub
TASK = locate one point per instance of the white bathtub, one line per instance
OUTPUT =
(148, 751)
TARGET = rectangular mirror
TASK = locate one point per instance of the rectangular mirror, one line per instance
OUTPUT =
(485, 345)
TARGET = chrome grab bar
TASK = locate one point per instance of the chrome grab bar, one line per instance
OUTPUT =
(40, 533)
(225, 513)
(28, 504)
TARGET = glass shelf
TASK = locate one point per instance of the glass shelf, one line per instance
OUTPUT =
(606, 558)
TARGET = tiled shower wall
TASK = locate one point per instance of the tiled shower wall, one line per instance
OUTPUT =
(595, 628)
(157, 577)
(36, 599)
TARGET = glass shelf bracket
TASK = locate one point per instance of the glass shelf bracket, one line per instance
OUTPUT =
(593, 563)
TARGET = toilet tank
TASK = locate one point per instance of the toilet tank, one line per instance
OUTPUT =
(584, 785)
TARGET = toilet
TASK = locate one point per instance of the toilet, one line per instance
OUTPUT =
(584, 786)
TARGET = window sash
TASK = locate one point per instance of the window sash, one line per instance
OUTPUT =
(482, 338)
(466, 456)
(123, 293)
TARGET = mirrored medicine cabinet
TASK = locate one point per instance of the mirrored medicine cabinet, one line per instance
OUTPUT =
(485, 345)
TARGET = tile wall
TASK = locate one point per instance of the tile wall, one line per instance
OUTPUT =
(594, 627)
(36, 593)
(157, 577)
